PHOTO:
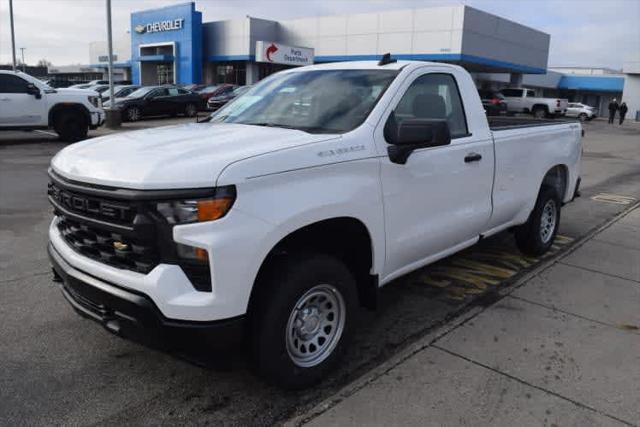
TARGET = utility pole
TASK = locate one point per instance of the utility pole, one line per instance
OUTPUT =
(23, 64)
(113, 119)
(13, 36)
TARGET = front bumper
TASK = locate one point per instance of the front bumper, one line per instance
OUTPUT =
(97, 119)
(133, 314)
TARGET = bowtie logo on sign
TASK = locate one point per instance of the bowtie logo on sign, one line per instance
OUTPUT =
(156, 27)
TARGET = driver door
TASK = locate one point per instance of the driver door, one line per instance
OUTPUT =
(19, 107)
(440, 199)
(158, 103)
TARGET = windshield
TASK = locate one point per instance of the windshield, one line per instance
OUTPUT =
(140, 92)
(321, 101)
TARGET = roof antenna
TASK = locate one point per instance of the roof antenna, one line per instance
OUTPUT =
(386, 59)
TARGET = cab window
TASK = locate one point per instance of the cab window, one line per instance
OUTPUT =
(434, 96)
(512, 92)
(12, 84)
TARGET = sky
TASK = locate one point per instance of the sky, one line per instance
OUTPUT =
(599, 33)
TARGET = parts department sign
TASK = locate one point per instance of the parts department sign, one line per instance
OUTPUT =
(277, 53)
(160, 26)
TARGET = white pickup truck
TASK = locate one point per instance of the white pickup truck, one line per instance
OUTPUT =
(27, 103)
(525, 101)
(293, 204)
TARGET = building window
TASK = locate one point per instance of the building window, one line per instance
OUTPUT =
(231, 72)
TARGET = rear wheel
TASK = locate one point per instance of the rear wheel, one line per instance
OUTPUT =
(71, 126)
(536, 236)
(190, 110)
(303, 323)
(539, 112)
(583, 117)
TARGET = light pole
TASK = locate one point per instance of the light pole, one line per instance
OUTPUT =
(13, 37)
(113, 119)
(23, 64)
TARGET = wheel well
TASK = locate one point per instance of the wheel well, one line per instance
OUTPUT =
(345, 238)
(556, 178)
(64, 108)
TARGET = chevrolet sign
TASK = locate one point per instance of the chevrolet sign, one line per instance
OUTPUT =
(156, 27)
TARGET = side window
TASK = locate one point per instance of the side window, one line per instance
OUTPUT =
(173, 91)
(434, 96)
(158, 93)
(514, 93)
(12, 84)
(183, 92)
(531, 94)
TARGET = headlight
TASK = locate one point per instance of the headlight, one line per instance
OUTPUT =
(198, 210)
(95, 101)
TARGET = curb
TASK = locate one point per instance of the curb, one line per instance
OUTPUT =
(467, 312)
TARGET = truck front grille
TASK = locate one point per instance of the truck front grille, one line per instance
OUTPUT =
(121, 227)
(108, 247)
(115, 232)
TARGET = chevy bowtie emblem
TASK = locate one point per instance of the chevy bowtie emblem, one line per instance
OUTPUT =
(140, 29)
(119, 246)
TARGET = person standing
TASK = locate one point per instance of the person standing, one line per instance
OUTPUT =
(613, 107)
(623, 111)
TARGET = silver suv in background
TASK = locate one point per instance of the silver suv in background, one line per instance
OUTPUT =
(581, 111)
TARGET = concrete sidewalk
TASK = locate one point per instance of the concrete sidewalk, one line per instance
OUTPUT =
(561, 349)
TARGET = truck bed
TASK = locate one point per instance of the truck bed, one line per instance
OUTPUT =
(503, 123)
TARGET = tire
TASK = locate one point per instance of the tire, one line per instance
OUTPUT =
(303, 319)
(132, 114)
(539, 112)
(536, 236)
(583, 117)
(190, 110)
(71, 126)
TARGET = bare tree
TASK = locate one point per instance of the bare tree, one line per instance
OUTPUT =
(44, 63)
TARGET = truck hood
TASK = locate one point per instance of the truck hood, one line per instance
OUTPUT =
(180, 156)
(78, 92)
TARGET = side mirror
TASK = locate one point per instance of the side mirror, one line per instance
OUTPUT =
(33, 90)
(412, 134)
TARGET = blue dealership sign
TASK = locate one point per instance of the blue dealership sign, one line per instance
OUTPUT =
(170, 37)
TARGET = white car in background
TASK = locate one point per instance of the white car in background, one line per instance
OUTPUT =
(581, 111)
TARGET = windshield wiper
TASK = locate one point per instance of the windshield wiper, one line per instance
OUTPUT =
(308, 129)
(272, 125)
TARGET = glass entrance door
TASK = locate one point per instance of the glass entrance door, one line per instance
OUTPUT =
(165, 74)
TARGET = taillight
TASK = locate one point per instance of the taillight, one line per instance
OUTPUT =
(557, 102)
(495, 101)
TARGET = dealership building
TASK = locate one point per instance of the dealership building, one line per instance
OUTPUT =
(172, 45)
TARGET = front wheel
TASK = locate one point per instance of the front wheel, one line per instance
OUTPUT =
(71, 126)
(536, 236)
(190, 110)
(583, 117)
(133, 114)
(303, 323)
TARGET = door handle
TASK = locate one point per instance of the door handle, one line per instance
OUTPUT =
(472, 157)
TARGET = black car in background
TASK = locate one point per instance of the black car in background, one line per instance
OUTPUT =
(158, 101)
(493, 102)
(119, 91)
(217, 101)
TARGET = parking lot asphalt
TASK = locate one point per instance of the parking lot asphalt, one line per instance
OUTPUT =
(56, 367)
